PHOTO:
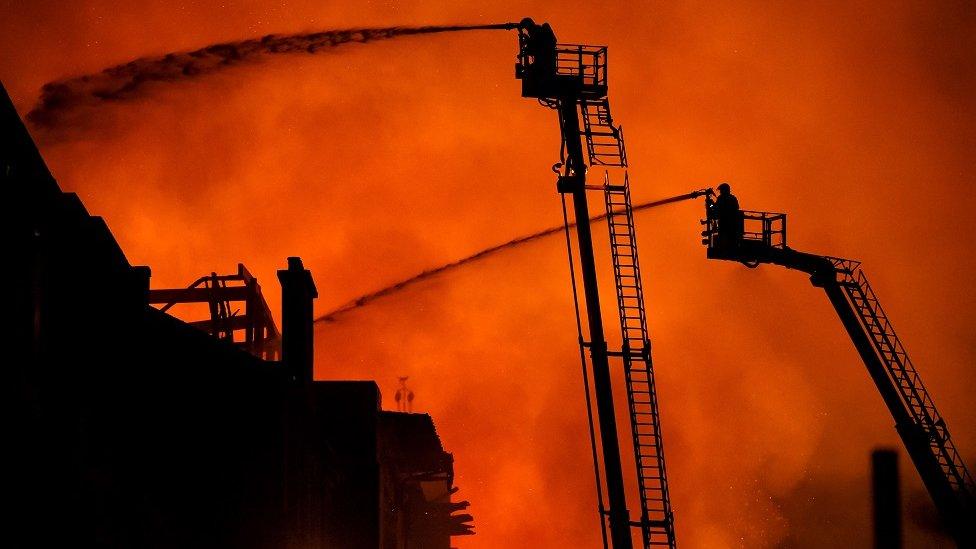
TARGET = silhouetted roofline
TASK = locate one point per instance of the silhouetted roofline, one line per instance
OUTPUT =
(22, 169)
(412, 440)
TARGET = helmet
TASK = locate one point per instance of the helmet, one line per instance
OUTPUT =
(724, 187)
(526, 23)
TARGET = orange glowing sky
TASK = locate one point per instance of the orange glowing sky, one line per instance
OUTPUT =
(375, 162)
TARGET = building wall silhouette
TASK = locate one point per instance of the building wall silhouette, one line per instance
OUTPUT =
(130, 428)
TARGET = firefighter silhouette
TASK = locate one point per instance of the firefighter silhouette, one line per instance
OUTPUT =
(725, 209)
(539, 48)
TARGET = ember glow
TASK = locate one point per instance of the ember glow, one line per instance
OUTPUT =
(382, 160)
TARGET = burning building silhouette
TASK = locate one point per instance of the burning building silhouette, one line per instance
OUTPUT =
(132, 428)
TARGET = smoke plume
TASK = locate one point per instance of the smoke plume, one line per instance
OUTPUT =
(365, 299)
(125, 81)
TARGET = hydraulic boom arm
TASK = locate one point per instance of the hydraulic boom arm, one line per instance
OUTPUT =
(572, 80)
(917, 421)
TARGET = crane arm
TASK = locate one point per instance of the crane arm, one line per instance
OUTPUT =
(917, 421)
(921, 428)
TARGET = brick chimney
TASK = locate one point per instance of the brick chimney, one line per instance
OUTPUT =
(297, 293)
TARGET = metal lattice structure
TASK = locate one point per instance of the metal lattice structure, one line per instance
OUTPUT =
(572, 79)
(918, 422)
(237, 310)
(903, 375)
(656, 520)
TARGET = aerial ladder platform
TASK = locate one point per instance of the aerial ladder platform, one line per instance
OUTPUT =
(760, 237)
(656, 519)
(572, 80)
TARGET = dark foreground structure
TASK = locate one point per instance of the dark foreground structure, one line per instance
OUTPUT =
(131, 428)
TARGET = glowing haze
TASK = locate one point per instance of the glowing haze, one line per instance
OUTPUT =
(376, 162)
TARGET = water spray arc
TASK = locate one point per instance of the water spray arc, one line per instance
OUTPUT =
(61, 98)
(514, 243)
(572, 80)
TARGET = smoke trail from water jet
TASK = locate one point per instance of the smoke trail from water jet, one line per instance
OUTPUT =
(366, 299)
(122, 82)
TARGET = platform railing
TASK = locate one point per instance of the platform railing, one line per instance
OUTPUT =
(762, 228)
(588, 63)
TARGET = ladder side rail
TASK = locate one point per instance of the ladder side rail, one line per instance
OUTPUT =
(915, 399)
(934, 456)
(930, 419)
(621, 146)
(912, 395)
(629, 212)
(954, 510)
(613, 214)
(604, 141)
(659, 445)
(666, 511)
(656, 516)
(919, 401)
(635, 434)
(634, 268)
(891, 340)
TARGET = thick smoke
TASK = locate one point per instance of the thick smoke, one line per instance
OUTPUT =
(365, 299)
(122, 82)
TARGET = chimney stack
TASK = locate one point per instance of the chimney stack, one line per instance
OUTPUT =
(297, 293)
(886, 500)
